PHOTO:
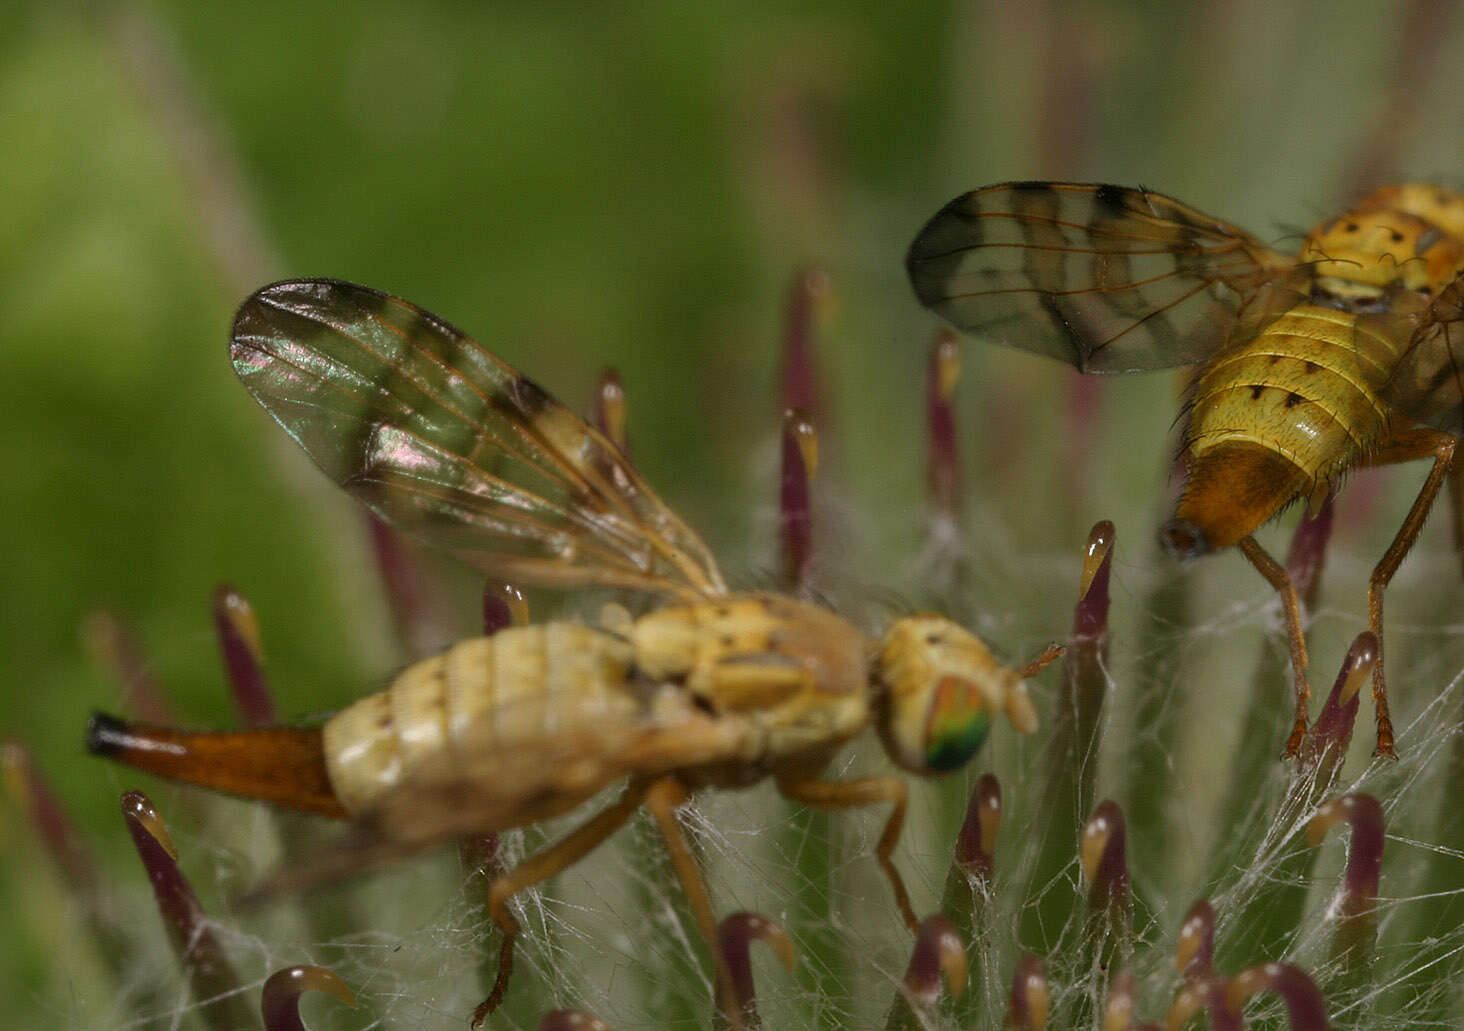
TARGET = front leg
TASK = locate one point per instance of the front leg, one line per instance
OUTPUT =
(848, 794)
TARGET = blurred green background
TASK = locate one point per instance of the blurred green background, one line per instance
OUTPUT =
(581, 186)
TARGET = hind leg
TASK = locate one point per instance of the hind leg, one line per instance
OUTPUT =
(1402, 447)
(541, 866)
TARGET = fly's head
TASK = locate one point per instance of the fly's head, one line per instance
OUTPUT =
(937, 689)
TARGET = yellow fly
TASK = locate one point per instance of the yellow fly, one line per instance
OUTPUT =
(1349, 353)
(715, 689)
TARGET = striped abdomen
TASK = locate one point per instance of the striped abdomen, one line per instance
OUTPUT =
(1275, 419)
(488, 694)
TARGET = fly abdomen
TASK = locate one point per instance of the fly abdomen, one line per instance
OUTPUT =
(1275, 419)
(520, 685)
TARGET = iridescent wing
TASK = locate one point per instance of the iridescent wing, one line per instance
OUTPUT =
(451, 445)
(1426, 379)
(1105, 278)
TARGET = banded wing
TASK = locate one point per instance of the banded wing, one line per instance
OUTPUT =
(1426, 379)
(450, 444)
(1105, 278)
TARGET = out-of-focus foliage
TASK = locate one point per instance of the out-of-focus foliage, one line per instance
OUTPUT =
(582, 185)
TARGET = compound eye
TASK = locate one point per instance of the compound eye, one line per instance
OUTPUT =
(956, 725)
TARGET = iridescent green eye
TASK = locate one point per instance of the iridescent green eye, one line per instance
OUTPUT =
(957, 725)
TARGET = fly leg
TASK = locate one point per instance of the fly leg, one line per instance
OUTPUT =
(663, 798)
(1276, 575)
(1049, 655)
(1402, 447)
(847, 794)
(541, 866)
(1456, 495)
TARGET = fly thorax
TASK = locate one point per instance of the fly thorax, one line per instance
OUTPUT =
(677, 642)
(939, 687)
(667, 642)
(753, 653)
(1361, 261)
(1437, 205)
(794, 673)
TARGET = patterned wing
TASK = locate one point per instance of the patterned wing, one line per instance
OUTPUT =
(450, 444)
(1105, 278)
(1426, 379)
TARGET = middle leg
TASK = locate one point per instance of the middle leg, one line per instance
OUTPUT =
(1402, 447)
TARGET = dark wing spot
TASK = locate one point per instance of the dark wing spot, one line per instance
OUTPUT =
(372, 303)
(1292, 400)
(418, 327)
(1109, 199)
(1309, 366)
(1081, 351)
(531, 397)
(1256, 390)
(520, 399)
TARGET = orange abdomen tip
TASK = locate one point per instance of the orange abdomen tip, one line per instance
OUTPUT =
(1232, 489)
(282, 765)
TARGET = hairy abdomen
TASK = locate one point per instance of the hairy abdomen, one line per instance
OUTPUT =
(1276, 419)
(443, 716)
